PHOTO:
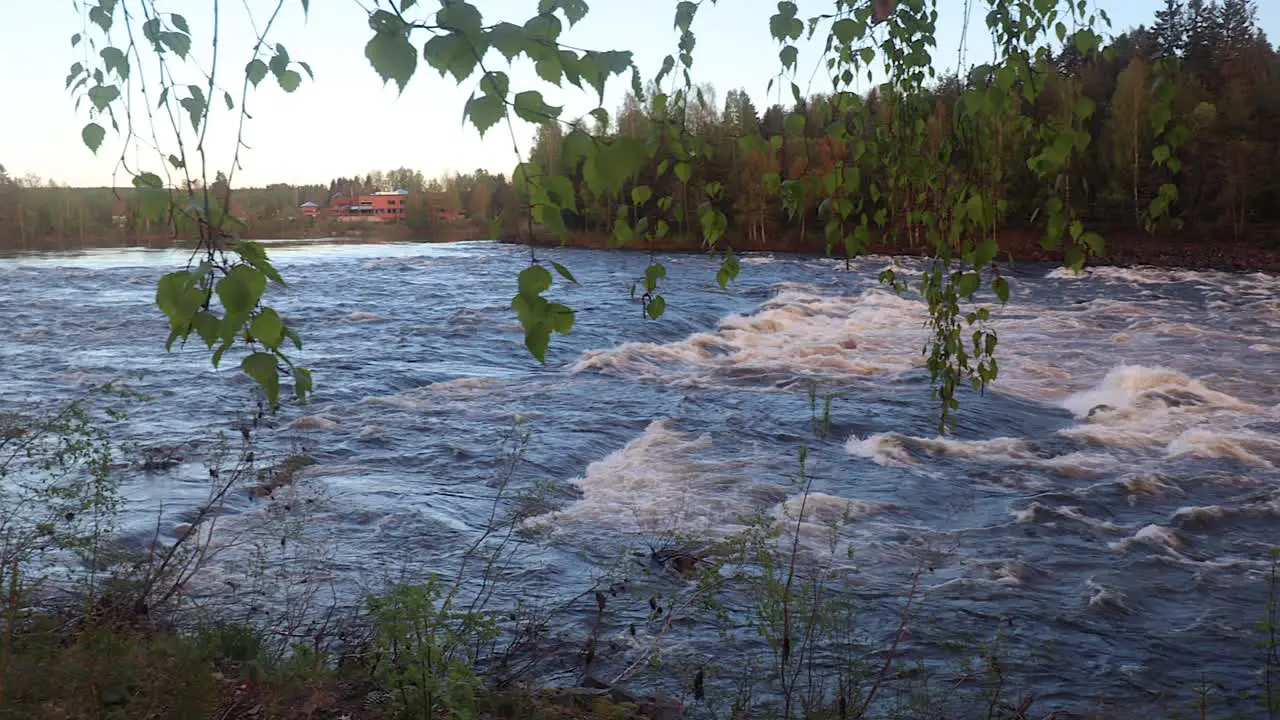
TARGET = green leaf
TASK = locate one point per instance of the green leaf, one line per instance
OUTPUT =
(657, 306)
(450, 54)
(561, 192)
(507, 38)
(561, 318)
(847, 30)
(289, 80)
(1001, 288)
(239, 292)
(788, 56)
(115, 61)
(564, 272)
(495, 83)
(530, 106)
(536, 339)
(968, 284)
(256, 70)
(683, 171)
(179, 22)
(194, 105)
(1160, 154)
(93, 135)
(307, 69)
(226, 97)
(654, 273)
(684, 15)
(75, 39)
(534, 280)
(179, 43)
(392, 57)
(460, 16)
(544, 28)
(729, 270)
(103, 95)
(549, 68)
(640, 194)
(102, 18)
(256, 255)
(1093, 241)
(779, 27)
(302, 382)
(267, 328)
(484, 111)
(261, 366)
(207, 325)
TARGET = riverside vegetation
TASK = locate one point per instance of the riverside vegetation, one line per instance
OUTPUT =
(125, 633)
(941, 164)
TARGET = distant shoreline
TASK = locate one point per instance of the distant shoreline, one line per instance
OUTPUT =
(1124, 247)
(1260, 252)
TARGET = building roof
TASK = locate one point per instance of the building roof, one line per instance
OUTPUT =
(309, 204)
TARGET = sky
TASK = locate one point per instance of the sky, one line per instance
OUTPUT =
(347, 122)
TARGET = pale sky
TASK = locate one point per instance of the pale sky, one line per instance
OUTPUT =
(346, 122)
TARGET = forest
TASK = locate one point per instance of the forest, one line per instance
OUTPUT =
(1226, 95)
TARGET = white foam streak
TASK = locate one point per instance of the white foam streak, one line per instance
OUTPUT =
(796, 334)
(895, 449)
(656, 483)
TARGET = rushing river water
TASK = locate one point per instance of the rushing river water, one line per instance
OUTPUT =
(1108, 505)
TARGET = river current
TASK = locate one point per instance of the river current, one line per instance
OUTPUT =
(1107, 507)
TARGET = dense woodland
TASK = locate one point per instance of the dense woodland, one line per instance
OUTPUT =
(1227, 85)
(1228, 96)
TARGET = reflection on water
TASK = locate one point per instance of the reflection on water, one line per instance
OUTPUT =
(1114, 493)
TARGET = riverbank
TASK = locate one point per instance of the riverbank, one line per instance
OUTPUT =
(436, 232)
(1258, 251)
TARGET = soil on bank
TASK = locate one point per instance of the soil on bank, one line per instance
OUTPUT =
(1259, 250)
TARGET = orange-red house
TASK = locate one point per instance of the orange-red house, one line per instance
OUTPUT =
(376, 207)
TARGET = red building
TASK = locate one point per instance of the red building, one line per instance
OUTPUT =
(375, 207)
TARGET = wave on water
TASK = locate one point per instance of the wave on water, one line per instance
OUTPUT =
(664, 483)
(1156, 536)
(658, 482)
(797, 334)
(1137, 407)
(315, 422)
(1141, 275)
(1129, 390)
(895, 449)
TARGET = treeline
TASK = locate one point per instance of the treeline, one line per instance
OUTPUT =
(1227, 83)
(35, 212)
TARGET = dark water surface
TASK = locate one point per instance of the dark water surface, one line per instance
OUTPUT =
(1124, 553)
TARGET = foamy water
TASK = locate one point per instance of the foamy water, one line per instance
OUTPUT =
(1118, 480)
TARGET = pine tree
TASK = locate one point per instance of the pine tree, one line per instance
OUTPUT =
(1202, 36)
(1237, 31)
(1170, 29)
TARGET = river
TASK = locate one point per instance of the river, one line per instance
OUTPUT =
(1107, 507)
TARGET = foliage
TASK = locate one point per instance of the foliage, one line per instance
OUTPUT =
(426, 650)
(58, 496)
(220, 296)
